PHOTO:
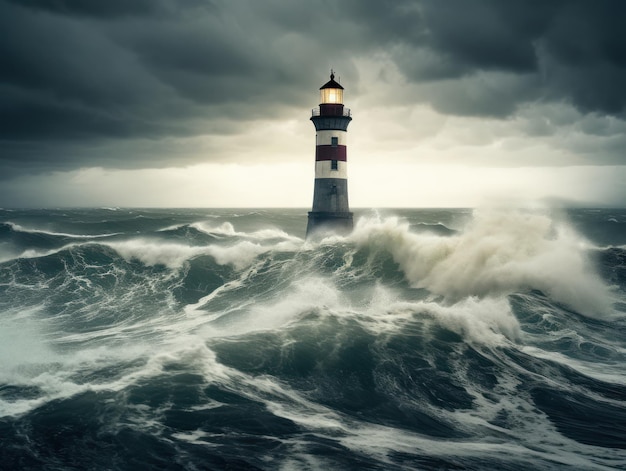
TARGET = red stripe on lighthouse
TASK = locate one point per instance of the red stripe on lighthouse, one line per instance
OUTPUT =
(330, 153)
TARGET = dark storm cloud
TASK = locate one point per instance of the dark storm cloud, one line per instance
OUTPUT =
(107, 9)
(74, 70)
(67, 79)
(61, 78)
(570, 50)
(77, 75)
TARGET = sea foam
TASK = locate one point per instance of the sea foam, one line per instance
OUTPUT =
(498, 253)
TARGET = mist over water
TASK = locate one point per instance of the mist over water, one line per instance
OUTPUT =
(221, 339)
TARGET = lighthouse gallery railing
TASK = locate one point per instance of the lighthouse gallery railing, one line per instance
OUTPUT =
(327, 112)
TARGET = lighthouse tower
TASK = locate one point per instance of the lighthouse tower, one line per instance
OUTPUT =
(330, 196)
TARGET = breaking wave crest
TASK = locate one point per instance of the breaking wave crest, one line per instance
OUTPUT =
(498, 253)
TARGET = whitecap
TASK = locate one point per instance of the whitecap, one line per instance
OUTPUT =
(19, 228)
(498, 253)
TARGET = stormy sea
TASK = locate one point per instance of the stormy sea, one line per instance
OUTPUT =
(203, 339)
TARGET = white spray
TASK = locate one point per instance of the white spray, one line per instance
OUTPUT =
(498, 253)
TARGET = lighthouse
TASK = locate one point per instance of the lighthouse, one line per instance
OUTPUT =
(330, 211)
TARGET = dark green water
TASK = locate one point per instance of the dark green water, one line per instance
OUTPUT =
(220, 339)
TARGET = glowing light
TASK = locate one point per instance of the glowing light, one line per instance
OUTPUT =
(332, 95)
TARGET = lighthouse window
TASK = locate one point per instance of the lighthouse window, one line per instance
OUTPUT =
(334, 141)
(334, 165)
(331, 95)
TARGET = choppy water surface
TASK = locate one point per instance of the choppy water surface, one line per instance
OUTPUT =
(221, 339)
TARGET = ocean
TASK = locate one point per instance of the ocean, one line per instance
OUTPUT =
(205, 339)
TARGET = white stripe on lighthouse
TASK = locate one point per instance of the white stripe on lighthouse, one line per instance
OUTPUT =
(324, 138)
(323, 169)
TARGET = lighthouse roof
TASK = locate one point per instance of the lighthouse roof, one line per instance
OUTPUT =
(331, 83)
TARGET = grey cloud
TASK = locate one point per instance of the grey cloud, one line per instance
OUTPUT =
(565, 50)
(68, 82)
(77, 75)
(60, 77)
(481, 36)
(603, 126)
(575, 49)
(108, 9)
(493, 94)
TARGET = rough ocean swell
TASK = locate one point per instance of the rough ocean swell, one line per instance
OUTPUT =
(221, 339)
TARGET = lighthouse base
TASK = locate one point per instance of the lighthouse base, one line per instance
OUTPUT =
(325, 221)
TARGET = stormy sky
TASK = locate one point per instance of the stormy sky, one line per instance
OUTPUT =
(207, 102)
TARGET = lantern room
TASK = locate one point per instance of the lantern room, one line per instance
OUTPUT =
(331, 92)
